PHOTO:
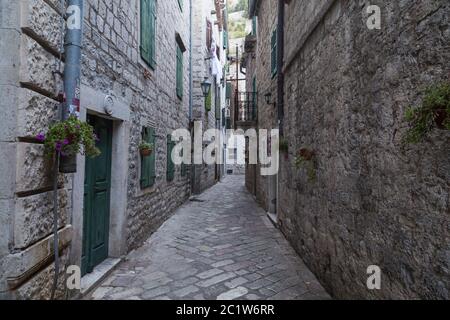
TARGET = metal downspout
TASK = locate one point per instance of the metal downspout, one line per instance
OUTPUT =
(280, 58)
(72, 71)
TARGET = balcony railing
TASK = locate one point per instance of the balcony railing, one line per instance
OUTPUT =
(246, 106)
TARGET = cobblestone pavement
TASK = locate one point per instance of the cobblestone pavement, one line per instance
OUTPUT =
(221, 248)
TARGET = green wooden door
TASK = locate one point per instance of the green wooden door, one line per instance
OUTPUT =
(97, 188)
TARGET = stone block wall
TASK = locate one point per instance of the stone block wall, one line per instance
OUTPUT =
(29, 56)
(259, 64)
(112, 63)
(372, 202)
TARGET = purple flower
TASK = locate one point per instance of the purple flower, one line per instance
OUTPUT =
(96, 138)
(40, 137)
(66, 142)
(58, 146)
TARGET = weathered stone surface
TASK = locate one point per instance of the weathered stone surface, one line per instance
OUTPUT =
(34, 169)
(184, 259)
(41, 285)
(7, 156)
(37, 66)
(36, 113)
(6, 213)
(42, 21)
(346, 91)
(9, 56)
(8, 112)
(34, 217)
(16, 267)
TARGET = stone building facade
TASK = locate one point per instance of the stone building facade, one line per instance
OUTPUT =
(123, 94)
(371, 200)
(207, 34)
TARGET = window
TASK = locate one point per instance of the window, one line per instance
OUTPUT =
(254, 98)
(225, 39)
(208, 34)
(208, 101)
(183, 166)
(274, 53)
(148, 32)
(148, 173)
(180, 4)
(170, 164)
(179, 72)
(254, 26)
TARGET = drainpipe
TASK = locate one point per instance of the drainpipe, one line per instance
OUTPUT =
(191, 88)
(280, 57)
(72, 71)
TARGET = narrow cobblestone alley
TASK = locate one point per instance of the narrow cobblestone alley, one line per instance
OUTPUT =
(221, 246)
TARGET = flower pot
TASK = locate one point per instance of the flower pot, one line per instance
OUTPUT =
(146, 152)
(439, 118)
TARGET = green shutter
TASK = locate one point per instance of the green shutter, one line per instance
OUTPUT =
(254, 98)
(254, 25)
(170, 164)
(208, 101)
(183, 166)
(274, 53)
(179, 77)
(148, 174)
(225, 39)
(148, 31)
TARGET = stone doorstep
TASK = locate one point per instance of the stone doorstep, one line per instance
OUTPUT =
(90, 281)
(273, 218)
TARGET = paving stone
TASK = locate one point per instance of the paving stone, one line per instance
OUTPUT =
(233, 294)
(220, 248)
(236, 282)
(216, 279)
(222, 263)
(185, 291)
(209, 273)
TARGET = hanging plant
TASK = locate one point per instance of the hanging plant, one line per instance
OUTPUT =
(433, 113)
(306, 159)
(145, 149)
(284, 145)
(70, 137)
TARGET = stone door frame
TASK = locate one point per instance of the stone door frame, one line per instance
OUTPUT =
(93, 102)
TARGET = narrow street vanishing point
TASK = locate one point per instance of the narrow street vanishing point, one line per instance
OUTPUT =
(220, 246)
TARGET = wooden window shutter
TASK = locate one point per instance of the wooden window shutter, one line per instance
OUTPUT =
(274, 53)
(170, 164)
(183, 166)
(148, 174)
(208, 101)
(254, 99)
(148, 32)
(208, 34)
(179, 76)
(145, 30)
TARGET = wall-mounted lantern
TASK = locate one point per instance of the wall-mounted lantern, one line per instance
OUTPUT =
(268, 98)
(206, 87)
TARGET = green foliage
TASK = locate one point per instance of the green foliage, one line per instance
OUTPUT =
(284, 145)
(208, 102)
(434, 112)
(237, 29)
(145, 146)
(69, 138)
(306, 159)
(241, 5)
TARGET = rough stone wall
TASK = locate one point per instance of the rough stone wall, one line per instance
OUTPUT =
(372, 202)
(29, 53)
(267, 114)
(111, 62)
(201, 66)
